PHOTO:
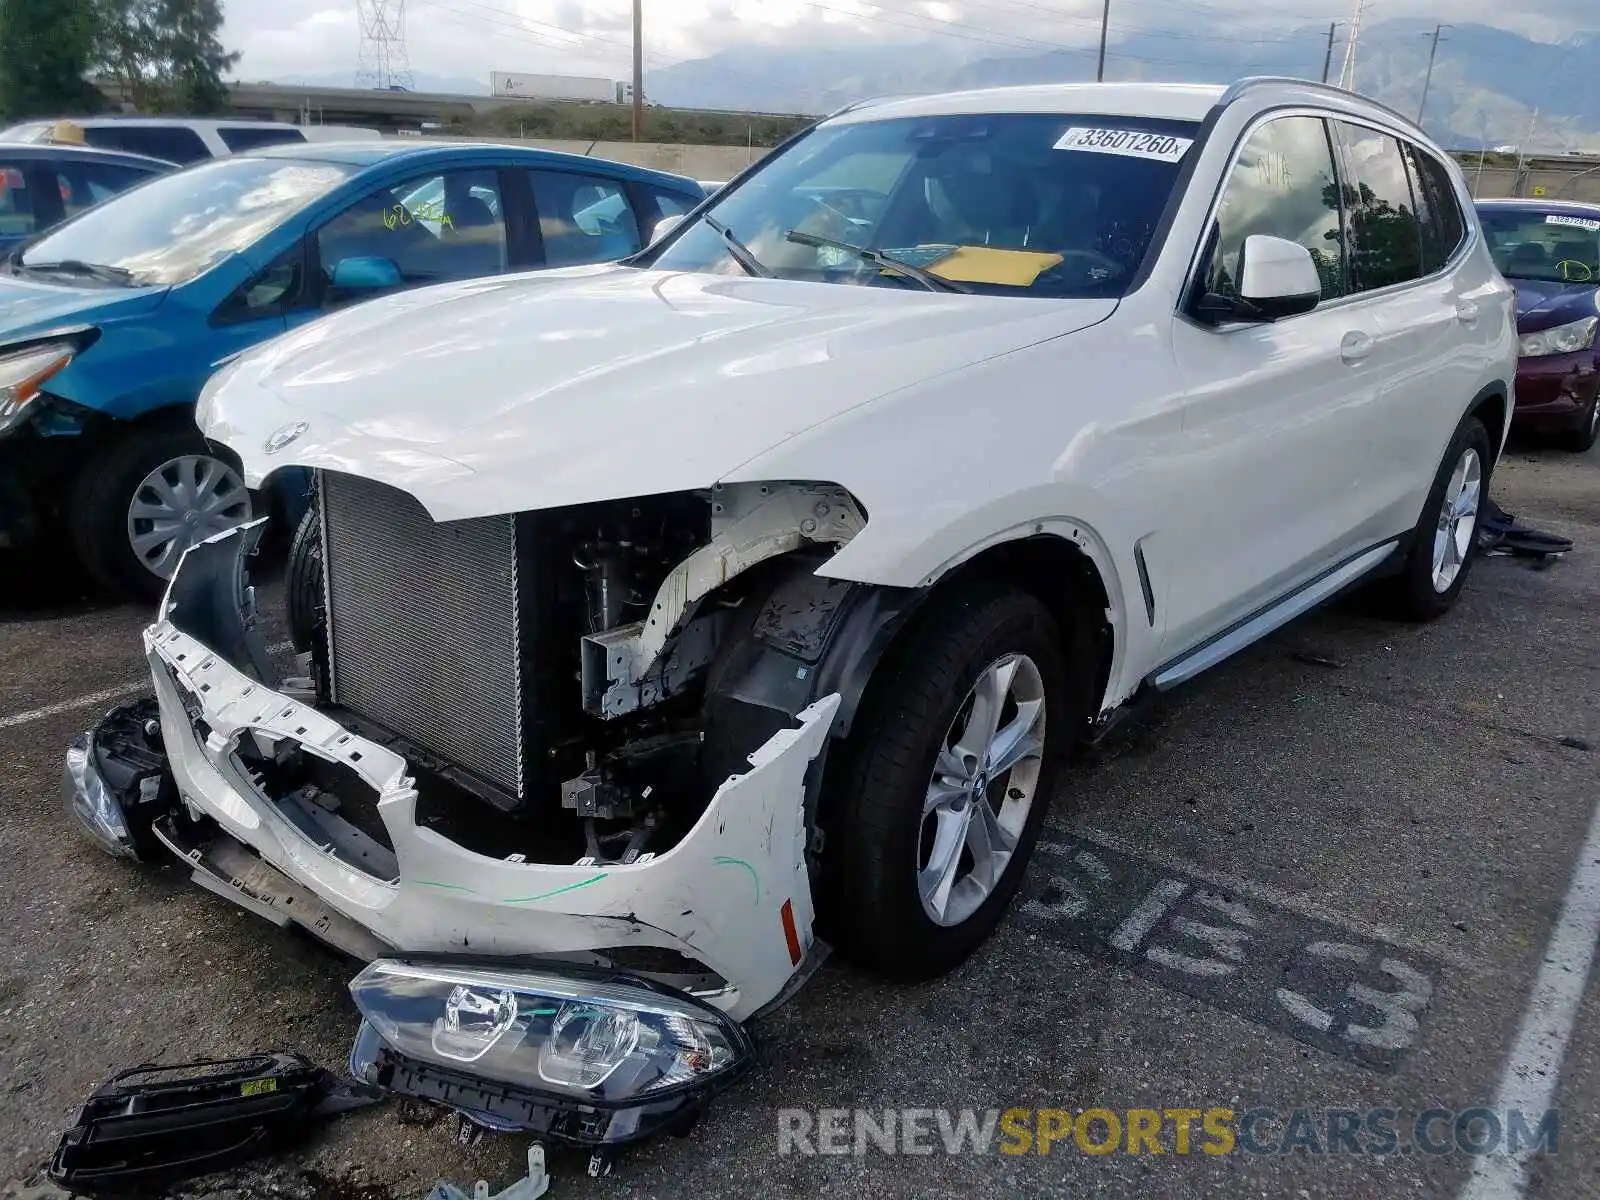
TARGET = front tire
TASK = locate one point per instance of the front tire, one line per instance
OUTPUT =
(303, 581)
(1584, 436)
(1444, 544)
(946, 781)
(144, 499)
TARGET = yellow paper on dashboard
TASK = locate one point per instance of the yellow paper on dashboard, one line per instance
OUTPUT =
(991, 264)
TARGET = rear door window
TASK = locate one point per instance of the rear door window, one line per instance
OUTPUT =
(16, 202)
(174, 143)
(583, 218)
(1385, 232)
(240, 138)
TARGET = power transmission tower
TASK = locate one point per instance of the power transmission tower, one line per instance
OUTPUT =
(1347, 73)
(1433, 52)
(381, 61)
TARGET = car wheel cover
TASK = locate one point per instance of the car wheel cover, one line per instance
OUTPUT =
(183, 501)
(982, 789)
(1458, 520)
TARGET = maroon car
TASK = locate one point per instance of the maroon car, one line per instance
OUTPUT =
(1549, 250)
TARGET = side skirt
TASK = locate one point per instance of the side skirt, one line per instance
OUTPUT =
(1274, 616)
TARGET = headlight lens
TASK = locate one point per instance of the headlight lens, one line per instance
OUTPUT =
(1563, 339)
(23, 373)
(91, 802)
(600, 1040)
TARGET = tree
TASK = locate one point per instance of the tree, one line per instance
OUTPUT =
(166, 54)
(46, 47)
(195, 60)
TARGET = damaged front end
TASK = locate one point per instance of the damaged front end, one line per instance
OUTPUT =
(553, 775)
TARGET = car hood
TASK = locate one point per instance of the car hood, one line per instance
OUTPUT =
(29, 307)
(1542, 303)
(564, 387)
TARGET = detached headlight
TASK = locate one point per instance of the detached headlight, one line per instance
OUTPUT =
(602, 1041)
(92, 802)
(23, 373)
(1563, 339)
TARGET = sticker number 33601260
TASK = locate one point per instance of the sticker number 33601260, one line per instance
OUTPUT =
(1129, 142)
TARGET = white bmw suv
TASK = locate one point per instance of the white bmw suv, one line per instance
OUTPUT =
(745, 595)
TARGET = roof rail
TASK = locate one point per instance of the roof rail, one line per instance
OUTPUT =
(1240, 87)
(863, 103)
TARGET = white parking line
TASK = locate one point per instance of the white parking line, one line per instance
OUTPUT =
(126, 689)
(1533, 1068)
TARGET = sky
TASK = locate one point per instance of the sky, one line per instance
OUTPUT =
(467, 39)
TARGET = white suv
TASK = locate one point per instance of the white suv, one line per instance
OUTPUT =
(753, 588)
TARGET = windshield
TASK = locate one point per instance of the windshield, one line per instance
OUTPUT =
(1032, 204)
(1551, 246)
(177, 226)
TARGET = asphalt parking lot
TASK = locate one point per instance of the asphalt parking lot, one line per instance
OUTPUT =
(1393, 808)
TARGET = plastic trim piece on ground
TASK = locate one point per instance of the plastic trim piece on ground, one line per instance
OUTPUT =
(533, 1185)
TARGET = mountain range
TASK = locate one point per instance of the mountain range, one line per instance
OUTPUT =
(1490, 86)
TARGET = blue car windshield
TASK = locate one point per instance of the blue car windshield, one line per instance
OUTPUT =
(1005, 204)
(178, 226)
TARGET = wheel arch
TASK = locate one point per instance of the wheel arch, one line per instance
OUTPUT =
(1492, 406)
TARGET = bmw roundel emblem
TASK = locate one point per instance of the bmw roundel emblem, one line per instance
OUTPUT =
(282, 437)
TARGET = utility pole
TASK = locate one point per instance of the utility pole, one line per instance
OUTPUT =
(1433, 52)
(638, 69)
(1105, 23)
(1327, 59)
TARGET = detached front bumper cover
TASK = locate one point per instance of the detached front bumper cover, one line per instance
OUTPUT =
(733, 894)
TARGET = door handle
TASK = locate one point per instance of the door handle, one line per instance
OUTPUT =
(1467, 311)
(1355, 346)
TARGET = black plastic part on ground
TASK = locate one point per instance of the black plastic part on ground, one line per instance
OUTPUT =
(1498, 530)
(155, 1126)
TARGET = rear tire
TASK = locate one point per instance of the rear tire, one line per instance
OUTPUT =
(898, 811)
(1444, 544)
(129, 508)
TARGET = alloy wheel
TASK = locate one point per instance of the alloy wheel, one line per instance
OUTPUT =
(983, 787)
(1458, 520)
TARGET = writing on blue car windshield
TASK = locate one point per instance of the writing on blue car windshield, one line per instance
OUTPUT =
(1020, 204)
(177, 226)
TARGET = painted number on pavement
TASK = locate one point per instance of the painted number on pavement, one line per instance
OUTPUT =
(1359, 999)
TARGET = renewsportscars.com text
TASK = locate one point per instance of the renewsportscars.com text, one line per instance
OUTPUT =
(1213, 1131)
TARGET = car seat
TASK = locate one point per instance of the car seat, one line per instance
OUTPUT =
(1528, 258)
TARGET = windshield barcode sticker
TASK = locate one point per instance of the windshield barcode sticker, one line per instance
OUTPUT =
(1131, 143)
(1580, 222)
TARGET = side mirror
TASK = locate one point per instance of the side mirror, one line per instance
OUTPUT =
(365, 274)
(1277, 278)
(665, 225)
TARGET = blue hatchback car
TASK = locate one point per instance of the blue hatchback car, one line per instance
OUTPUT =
(111, 323)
